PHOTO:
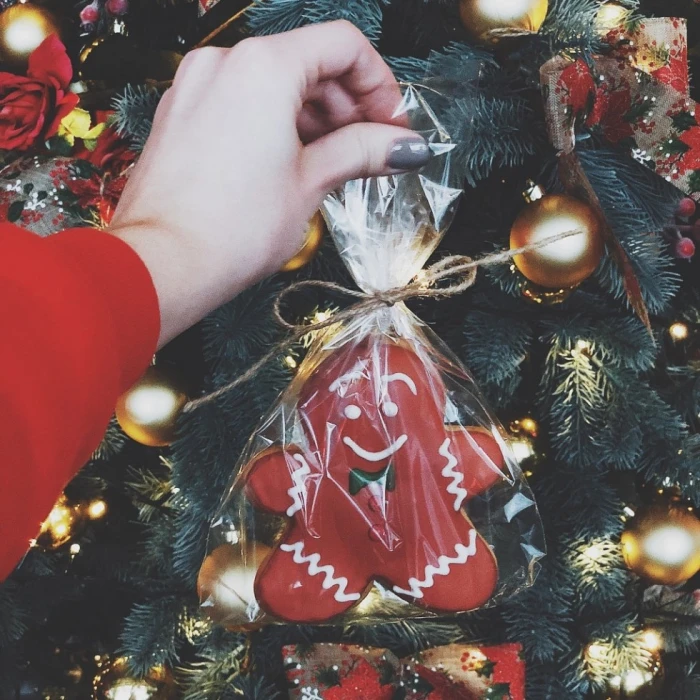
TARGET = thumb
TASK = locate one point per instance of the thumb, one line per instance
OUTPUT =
(363, 149)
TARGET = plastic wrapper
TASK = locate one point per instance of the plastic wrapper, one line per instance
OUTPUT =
(379, 486)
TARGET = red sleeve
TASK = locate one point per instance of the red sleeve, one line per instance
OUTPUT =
(80, 322)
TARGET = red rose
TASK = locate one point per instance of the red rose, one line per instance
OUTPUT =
(31, 107)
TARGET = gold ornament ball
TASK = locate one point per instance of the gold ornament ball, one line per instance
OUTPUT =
(638, 684)
(148, 412)
(564, 263)
(62, 524)
(312, 242)
(115, 682)
(22, 28)
(484, 19)
(226, 583)
(662, 544)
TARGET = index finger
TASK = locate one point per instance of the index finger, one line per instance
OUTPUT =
(339, 51)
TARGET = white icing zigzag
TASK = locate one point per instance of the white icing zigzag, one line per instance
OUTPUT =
(299, 488)
(443, 568)
(330, 580)
(454, 487)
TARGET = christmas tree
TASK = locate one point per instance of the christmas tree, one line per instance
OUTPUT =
(582, 112)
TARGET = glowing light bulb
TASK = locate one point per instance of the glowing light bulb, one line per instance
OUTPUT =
(678, 331)
(594, 552)
(633, 680)
(597, 650)
(652, 640)
(97, 509)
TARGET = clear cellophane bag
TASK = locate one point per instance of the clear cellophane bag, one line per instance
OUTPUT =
(379, 486)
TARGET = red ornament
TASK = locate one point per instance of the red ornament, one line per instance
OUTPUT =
(379, 496)
(685, 248)
(686, 208)
(90, 14)
(117, 7)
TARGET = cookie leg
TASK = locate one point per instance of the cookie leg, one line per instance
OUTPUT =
(304, 581)
(459, 580)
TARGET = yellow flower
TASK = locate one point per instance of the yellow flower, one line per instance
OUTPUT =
(76, 125)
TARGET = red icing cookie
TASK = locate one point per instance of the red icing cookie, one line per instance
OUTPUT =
(378, 493)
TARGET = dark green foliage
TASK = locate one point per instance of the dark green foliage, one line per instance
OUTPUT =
(134, 110)
(150, 634)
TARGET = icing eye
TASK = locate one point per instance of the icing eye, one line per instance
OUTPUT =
(352, 412)
(390, 409)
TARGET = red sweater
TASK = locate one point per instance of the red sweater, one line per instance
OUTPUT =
(80, 323)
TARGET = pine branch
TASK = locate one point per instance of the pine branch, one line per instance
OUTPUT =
(134, 110)
(150, 634)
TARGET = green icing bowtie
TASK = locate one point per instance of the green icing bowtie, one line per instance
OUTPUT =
(360, 478)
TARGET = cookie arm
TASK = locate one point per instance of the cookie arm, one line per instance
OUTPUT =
(276, 481)
(479, 459)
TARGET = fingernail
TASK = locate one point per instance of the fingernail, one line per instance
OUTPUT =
(409, 153)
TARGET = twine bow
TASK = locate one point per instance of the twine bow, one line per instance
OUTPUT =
(458, 268)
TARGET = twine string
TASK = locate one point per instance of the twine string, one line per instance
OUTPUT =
(460, 268)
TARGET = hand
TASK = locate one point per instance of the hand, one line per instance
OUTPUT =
(244, 147)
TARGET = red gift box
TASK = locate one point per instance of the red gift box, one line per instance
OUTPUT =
(454, 672)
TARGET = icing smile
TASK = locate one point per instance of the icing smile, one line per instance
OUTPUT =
(375, 456)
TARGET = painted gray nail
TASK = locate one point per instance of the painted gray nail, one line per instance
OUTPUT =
(409, 153)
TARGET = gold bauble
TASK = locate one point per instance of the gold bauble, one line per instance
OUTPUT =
(662, 544)
(486, 19)
(564, 263)
(22, 28)
(226, 584)
(62, 524)
(638, 684)
(312, 242)
(522, 442)
(115, 682)
(148, 412)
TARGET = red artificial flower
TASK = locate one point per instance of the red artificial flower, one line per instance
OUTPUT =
(100, 193)
(609, 111)
(362, 683)
(576, 78)
(31, 107)
(691, 158)
(675, 72)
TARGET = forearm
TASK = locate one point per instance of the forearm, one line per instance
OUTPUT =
(79, 325)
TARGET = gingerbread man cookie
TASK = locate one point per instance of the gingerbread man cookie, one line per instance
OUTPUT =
(377, 493)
